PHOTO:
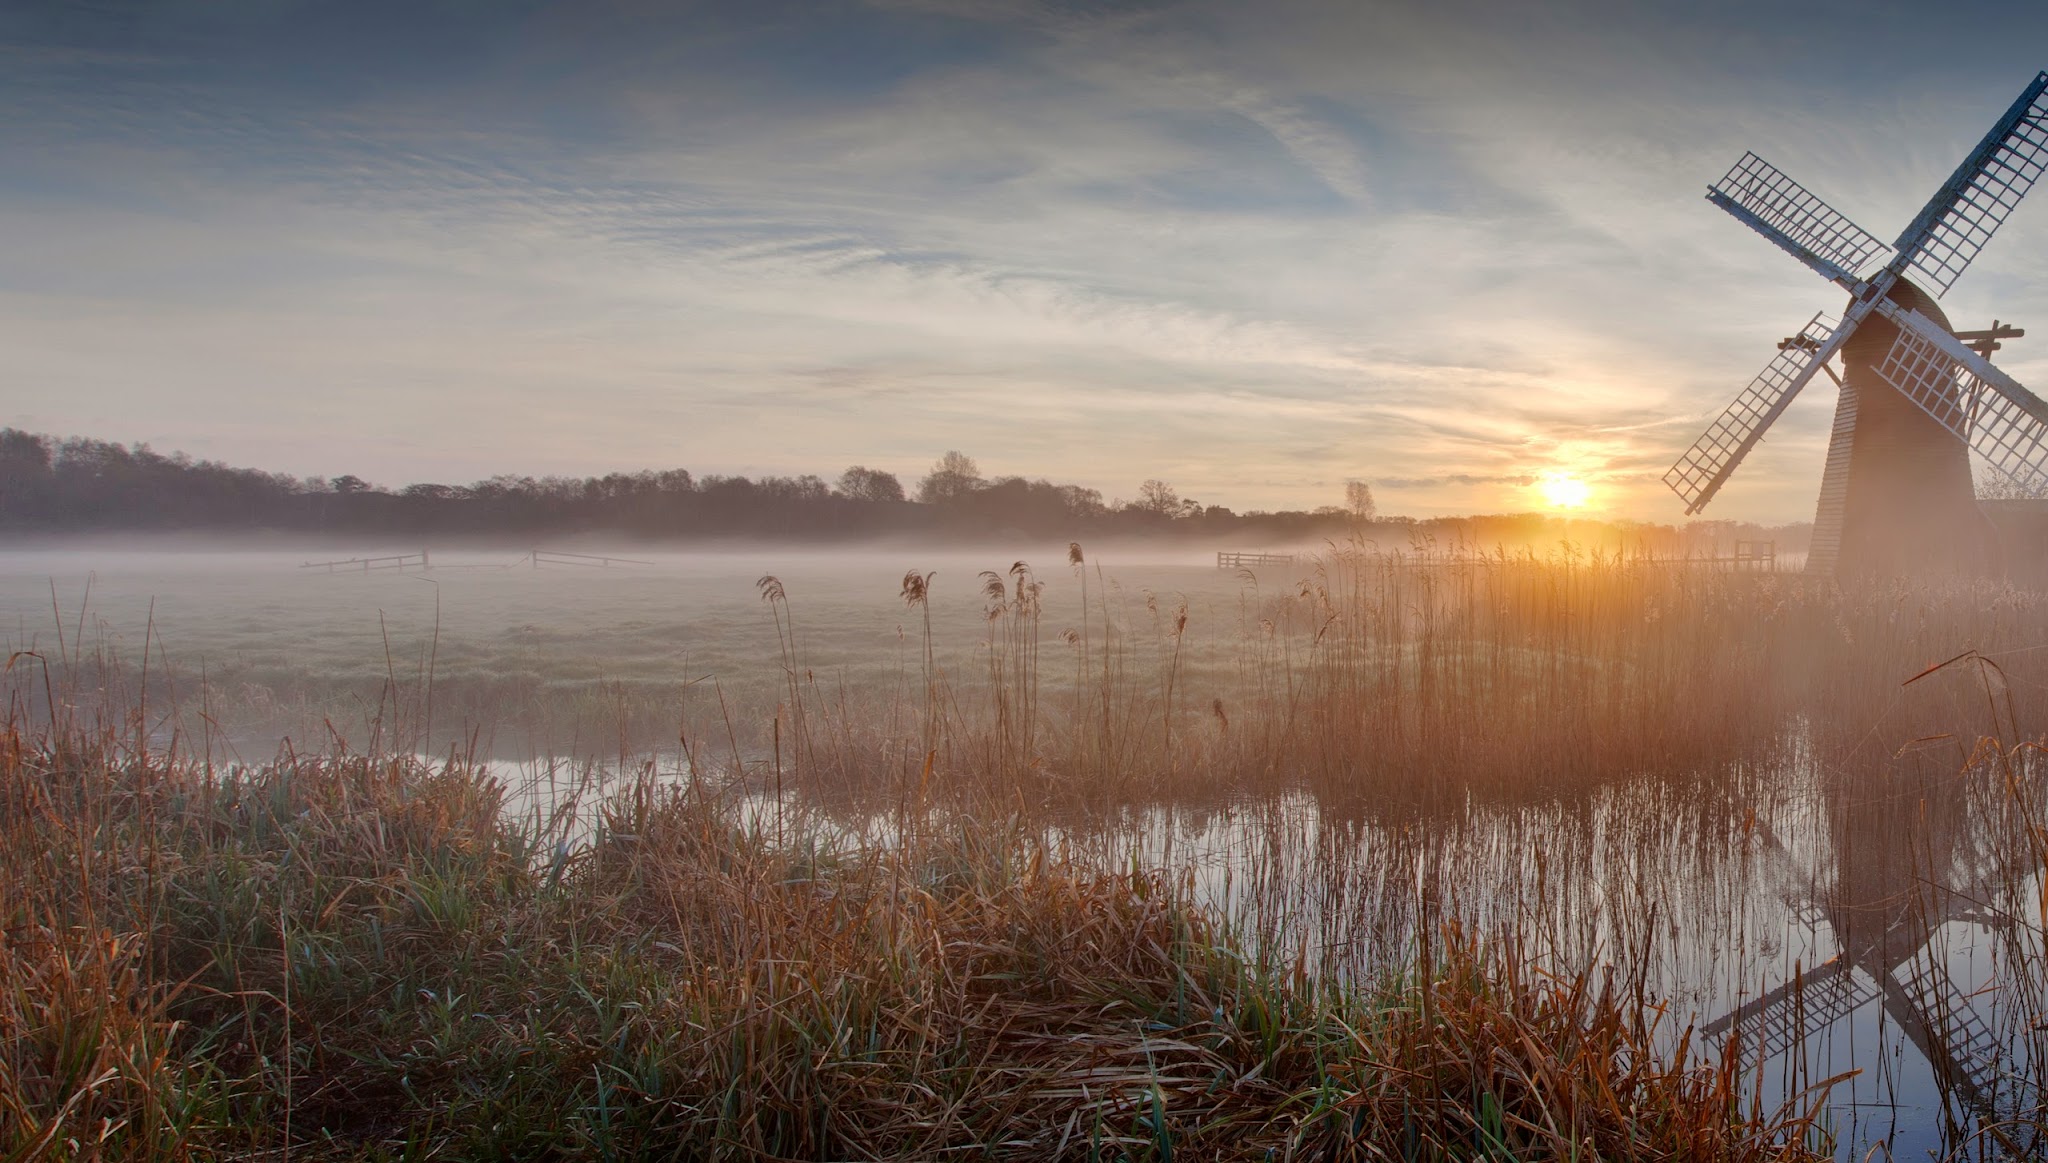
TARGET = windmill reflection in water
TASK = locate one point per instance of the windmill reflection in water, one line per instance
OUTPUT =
(1911, 865)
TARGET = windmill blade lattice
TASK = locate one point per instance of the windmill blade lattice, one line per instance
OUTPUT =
(1962, 216)
(1699, 474)
(1772, 1024)
(1763, 198)
(1968, 1049)
(2001, 421)
(1965, 1055)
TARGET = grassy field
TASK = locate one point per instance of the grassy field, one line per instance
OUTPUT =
(246, 649)
(1659, 790)
(557, 661)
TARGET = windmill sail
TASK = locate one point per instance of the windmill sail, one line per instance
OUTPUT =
(1699, 474)
(1965, 1053)
(1961, 217)
(1901, 967)
(1997, 418)
(2004, 423)
(1764, 199)
(1815, 999)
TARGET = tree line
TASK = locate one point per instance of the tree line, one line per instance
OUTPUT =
(77, 485)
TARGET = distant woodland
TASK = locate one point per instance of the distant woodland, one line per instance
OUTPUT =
(80, 485)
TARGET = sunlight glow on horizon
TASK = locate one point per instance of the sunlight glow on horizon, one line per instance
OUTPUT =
(1562, 490)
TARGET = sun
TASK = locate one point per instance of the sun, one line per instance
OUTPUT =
(1563, 491)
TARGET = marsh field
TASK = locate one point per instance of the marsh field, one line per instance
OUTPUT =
(1076, 852)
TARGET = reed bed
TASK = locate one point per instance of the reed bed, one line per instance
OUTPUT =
(924, 915)
(1398, 679)
(1384, 683)
(348, 956)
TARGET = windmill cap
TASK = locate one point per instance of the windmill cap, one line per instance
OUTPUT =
(1874, 337)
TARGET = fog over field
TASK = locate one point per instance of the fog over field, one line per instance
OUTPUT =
(293, 635)
(556, 659)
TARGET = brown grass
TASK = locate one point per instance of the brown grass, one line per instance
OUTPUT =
(346, 957)
(352, 956)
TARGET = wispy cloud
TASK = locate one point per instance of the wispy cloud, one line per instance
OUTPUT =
(1443, 249)
(1458, 478)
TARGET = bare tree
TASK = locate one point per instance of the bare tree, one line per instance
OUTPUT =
(954, 475)
(1358, 500)
(1157, 496)
(870, 484)
(1993, 485)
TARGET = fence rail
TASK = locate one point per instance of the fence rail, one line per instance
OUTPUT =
(1230, 559)
(397, 561)
(1762, 556)
(1768, 562)
(541, 557)
(1756, 555)
(422, 562)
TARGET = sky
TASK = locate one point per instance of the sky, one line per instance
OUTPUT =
(1254, 250)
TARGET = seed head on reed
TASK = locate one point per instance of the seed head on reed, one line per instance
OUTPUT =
(916, 586)
(992, 587)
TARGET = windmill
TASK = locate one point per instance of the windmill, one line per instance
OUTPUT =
(1884, 908)
(1915, 398)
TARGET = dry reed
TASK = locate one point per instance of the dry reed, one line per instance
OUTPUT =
(352, 957)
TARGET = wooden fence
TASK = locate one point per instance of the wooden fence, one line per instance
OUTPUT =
(397, 561)
(1748, 555)
(1231, 559)
(1761, 555)
(422, 562)
(541, 557)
